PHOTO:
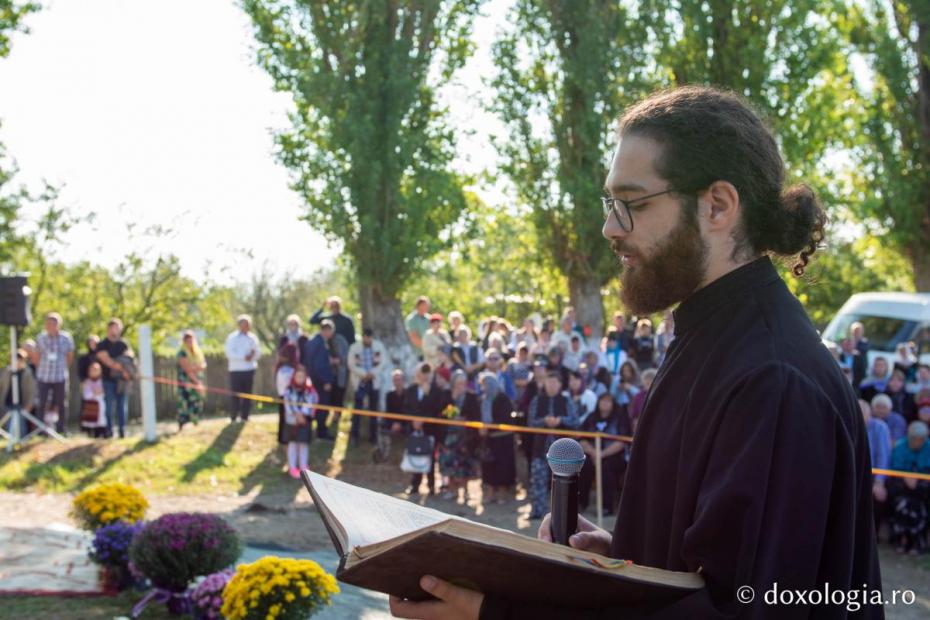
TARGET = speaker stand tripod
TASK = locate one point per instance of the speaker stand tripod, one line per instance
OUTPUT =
(16, 415)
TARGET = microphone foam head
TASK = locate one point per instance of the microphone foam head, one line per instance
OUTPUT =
(565, 456)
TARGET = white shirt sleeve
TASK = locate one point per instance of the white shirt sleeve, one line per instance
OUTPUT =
(231, 353)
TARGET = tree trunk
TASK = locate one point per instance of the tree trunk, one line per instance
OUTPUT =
(383, 314)
(585, 295)
(920, 258)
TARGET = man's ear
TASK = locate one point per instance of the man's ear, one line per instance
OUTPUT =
(723, 199)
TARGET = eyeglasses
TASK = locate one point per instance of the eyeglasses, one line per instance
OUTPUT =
(621, 208)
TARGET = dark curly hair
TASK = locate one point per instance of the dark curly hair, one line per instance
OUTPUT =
(708, 135)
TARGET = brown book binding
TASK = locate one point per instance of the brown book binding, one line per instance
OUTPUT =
(417, 541)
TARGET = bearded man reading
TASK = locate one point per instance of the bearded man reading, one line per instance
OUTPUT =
(751, 461)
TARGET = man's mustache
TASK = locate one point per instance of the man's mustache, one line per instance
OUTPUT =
(619, 248)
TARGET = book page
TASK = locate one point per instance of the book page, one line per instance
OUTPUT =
(368, 517)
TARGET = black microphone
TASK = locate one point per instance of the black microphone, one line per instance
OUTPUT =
(566, 458)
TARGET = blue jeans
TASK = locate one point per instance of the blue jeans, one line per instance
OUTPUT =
(116, 406)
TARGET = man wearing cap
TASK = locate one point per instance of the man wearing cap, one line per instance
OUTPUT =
(242, 352)
(52, 356)
(341, 323)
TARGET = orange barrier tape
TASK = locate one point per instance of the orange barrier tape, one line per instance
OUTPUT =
(512, 428)
(900, 474)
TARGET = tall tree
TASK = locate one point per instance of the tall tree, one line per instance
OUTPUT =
(785, 56)
(565, 70)
(369, 148)
(893, 150)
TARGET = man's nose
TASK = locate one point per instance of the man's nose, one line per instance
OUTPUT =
(612, 229)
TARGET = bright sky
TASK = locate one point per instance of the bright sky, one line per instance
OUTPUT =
(155, 113)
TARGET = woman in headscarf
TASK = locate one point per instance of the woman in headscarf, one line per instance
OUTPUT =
(191, 366)
(498, 466)
(458, 459)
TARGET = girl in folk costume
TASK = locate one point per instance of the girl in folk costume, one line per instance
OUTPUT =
(283, 373)
(299, 400)
(93, 404)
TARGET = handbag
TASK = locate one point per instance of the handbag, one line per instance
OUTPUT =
(90, 412)
(418, 454)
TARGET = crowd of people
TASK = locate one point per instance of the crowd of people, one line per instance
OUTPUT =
(546, 374)
(106, 372)
(895, 401)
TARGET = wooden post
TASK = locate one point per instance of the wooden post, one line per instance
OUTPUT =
(599, 481)
(146, 385)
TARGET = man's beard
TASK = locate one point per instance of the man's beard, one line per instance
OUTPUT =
(674, 269)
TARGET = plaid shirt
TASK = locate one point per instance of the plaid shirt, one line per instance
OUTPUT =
(53, 362)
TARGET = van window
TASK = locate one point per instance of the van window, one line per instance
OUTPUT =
(884, 333)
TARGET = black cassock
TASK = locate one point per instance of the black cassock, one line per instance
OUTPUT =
(750, 463)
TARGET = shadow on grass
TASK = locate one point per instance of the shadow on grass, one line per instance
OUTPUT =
(276, 488)
(140, 446)
(213, 456)
(53, 472)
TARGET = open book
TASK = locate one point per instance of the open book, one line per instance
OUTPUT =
(387, 544)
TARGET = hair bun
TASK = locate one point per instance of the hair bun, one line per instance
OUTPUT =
(802, 226)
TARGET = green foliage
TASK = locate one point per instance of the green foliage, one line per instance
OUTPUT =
(11, 17)
(146, 286)
(11, 201)
(785, 56)
(493, 268)
(269, 298)
(891, 148)
(369, 148)
(844, 268)
(565, 70)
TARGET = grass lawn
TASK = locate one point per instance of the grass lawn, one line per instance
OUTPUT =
(212, 458)
(215, 457)
(79, 608)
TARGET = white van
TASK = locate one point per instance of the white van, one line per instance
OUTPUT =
(888, 319)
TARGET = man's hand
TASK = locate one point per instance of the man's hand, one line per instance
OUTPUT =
(879, 492)
(396, 427)
(454, 603)
(249, 357)
(588, 538)
(551, 421)
(910, 483)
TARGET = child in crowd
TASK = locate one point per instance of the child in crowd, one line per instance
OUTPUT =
(298, 411)
(93, 403)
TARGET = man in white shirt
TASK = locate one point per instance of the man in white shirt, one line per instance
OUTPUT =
(242, 351)
(366, 363)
